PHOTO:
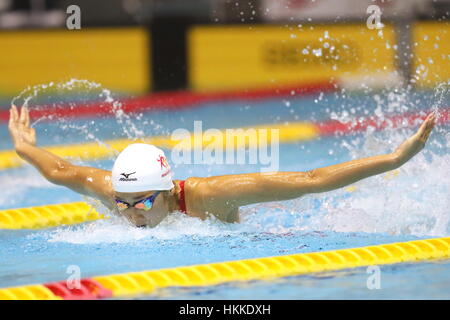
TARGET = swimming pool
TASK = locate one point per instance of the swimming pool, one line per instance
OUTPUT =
(410, 205)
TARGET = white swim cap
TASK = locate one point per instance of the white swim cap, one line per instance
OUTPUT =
(141, 167)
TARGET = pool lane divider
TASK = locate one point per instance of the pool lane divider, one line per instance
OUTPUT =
(288, 133)
(174, 100)
(48, 216)
(297, 131)
(128, 285)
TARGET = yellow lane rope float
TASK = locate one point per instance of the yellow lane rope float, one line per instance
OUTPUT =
(33, 292)
(297, 131)
(142, 283)
(48, 216)
(146, 282)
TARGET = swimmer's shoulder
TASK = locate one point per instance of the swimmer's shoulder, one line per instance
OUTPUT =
(203, 198)
(196, 191)
(195, 185)
(205, 192)
(102, 188)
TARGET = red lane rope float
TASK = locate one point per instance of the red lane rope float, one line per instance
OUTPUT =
(89, 289)
(174, 100)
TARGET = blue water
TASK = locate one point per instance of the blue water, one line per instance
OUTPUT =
(413, 205)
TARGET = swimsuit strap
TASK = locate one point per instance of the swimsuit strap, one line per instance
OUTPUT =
(182, 199)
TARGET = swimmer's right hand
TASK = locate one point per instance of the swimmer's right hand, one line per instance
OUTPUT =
(19, 127)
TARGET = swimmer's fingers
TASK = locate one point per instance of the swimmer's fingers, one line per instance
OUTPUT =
(23, 116)
(11, 120)
(426, 127)
(416, 143)
(12, 124)
(27, 116)
(14, 114)
(19, 127)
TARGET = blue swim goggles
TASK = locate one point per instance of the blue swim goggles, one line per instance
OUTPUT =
(144, 204)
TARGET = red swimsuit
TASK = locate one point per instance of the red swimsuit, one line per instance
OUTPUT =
(182, 199)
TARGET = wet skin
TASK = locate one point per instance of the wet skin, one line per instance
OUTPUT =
(220, 196)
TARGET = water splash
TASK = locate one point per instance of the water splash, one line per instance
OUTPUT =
(69, 95)
(440, 96)
(411, 200)
(175, 226)
(42, 92)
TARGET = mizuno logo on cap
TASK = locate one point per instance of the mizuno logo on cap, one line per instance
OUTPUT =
(126, 177)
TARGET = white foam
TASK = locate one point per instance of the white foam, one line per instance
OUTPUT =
(117, 230)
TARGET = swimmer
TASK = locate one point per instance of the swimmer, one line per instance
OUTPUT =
(140, 185)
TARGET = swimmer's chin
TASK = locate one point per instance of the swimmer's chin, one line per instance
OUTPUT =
(137, 224)
(149, 223)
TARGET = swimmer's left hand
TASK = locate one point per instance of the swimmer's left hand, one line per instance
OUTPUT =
(425, 129)
(19, 127)
(416, 143)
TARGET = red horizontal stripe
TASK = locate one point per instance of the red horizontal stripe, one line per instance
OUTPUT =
(332, 127)
(171, 100)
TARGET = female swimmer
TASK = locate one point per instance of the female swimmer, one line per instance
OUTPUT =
(141, 188)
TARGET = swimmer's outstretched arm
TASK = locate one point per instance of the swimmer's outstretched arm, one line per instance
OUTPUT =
(244, 189)
(85, 180)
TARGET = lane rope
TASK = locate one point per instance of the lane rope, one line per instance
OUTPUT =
(48, 216)
(143, 283)
(175, 100)
(298, 131)
(288, 133)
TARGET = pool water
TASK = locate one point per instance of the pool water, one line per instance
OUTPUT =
(411, 205)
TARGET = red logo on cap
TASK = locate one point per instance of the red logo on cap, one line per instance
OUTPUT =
(162, 160)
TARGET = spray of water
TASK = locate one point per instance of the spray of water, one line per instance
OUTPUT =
(412, 200)
(69, 95)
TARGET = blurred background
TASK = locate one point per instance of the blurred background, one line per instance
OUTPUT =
(340, 79)
(134, 47)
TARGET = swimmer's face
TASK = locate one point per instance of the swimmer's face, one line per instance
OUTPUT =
(135, 207)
